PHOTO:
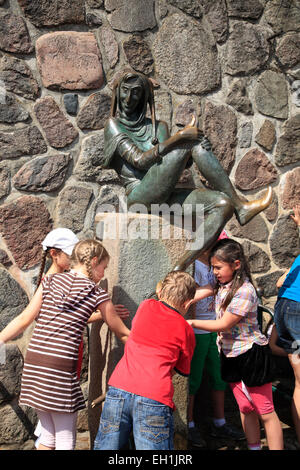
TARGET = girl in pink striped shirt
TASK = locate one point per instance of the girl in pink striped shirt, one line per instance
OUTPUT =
(245, 356)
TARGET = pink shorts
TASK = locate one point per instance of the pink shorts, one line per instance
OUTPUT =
(249, 399)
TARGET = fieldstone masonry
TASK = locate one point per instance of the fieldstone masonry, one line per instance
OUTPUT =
(231, 63)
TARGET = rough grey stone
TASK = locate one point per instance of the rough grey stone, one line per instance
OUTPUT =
(4, 259)
(288, 146)
(184, 113)
(255, 230)
(254, 171)
(13, 298)
(258, 259)
(238, 97)
(95, 112)
(89, 166)
(95, 3)
(220, 126)
(268, 283)
(42, 173)
(247, 49)
(10, 373)
(4, 180)
(24, 223)
(216, 13)
(192, 7)
(271, 94)
(288, 50)
(267, 135)
(54, 12)
(92, 20)
(138, 54)
(14, 35)
(17, 423)
(251, 9)
(284, 242)
(18, 77)
(110, 44)
(71, 103)
(131, 15)
(12, 111)
(72, 206)
(185, 44)
(283, 15)
(245, 137)
(163, 106)
(25, 141)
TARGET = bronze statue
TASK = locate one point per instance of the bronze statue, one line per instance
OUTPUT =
(150, 162)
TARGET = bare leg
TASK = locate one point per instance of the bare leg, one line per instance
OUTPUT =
(273, 431)
(215, 174)
(251, 427)
(218, 398)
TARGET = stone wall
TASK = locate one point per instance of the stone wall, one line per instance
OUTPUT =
(231, 62)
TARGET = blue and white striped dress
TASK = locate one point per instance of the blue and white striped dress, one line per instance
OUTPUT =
(49, 379)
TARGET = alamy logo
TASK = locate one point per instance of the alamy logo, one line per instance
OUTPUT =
(2, 92)
(2, 353)
(161, 221)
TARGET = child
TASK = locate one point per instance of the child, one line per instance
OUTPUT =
(206, 355)
(62, 306)
(140, 396)
(244, 358)
(287, 323)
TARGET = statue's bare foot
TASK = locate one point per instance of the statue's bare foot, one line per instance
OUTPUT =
(249, 209)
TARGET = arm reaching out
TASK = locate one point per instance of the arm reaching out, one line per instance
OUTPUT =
(22, 321)
(227, 321)
(113, 321)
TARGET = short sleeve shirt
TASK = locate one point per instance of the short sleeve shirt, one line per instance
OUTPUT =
(160, 340)
(239, 339)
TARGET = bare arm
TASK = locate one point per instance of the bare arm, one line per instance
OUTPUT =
(122, 311)
(113, 321)
(281, 280)
(202, 292)
(296, 215)
(277, 350)
(22, 321)
(227, 321)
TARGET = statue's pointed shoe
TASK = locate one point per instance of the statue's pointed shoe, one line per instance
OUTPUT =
(250, 209)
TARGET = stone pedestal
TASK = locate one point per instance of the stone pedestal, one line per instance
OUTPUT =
(135, 267)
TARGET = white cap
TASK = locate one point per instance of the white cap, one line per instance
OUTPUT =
(61, 238)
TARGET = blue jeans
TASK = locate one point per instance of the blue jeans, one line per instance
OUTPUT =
(151, 421)
(287, 321)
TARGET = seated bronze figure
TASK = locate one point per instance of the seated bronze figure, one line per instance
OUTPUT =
(150, 162)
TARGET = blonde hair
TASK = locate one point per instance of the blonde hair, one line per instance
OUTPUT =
(85, 250)
(177, 288)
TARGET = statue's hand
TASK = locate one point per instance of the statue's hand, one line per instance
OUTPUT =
(190, 133)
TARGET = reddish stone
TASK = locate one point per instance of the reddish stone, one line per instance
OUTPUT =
(24, 223)
(58, 129)
(69, 60)
(254, 171)
(266, 135)
(290, 189)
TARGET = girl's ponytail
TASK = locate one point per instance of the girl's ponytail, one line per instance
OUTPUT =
(42, 268)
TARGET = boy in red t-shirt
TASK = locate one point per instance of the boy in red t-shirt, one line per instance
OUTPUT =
(140, 396)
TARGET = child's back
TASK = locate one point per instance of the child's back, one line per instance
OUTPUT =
(160, 340)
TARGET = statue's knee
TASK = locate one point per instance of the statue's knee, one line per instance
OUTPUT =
(226, 205)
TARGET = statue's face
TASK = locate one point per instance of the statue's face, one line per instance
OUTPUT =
(131, 93)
